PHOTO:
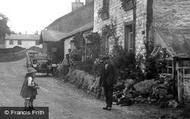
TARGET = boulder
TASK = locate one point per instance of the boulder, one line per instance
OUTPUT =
(144, 87)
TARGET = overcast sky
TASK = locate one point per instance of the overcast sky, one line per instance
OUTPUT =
(33, 15)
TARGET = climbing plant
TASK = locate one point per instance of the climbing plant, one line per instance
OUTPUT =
(93, 45)
(79, 43)
(127, 4)
(103, 12)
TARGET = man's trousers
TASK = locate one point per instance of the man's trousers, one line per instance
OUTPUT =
(108, 92)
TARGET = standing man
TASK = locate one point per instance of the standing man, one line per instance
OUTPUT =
(107, 81)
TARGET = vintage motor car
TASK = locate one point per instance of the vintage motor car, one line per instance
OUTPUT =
(44, 65)
(30, 55)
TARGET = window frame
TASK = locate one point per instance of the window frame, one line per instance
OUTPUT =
(19, 42)
(37, 42)
(128, 45)
(105, 8)
(11, 42)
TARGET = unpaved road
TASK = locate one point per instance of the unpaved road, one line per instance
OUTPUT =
(64, 100)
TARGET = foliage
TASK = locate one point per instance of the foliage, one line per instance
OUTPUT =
(126, 64)
(127, 4)
(94, 45)
(123, 60)
(4, 29)
(103, 13)
(76, 55)
(109, 30)
(86, 66)
(79, 41)
(151, 63)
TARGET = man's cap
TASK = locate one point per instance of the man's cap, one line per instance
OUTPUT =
(31, 70)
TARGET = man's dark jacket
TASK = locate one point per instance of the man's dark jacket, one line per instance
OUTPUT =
(107, 77)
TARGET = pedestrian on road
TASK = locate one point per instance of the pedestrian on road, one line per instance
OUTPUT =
(29, 89)
(107, 81)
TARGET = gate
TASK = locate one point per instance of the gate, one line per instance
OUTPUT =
(183, 82)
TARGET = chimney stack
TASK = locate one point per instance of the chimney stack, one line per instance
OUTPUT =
(77, 4)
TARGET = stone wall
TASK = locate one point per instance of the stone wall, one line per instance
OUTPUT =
(122, 17)
(85, 81)
(172, 13)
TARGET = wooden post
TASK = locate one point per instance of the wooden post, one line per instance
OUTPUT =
(174, 74)
(179, 82)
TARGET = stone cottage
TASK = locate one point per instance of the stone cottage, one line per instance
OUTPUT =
(124, 22)
(166, 23)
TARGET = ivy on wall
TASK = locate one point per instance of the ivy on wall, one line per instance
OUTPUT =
(109, 30)
(93, 45)
(127, 4)
(103, 13)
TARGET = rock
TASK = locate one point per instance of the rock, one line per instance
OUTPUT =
(172, 103)
(167, 116)
(125, 101)
(140, 99)
(128, 83)
(120, 86)
(144, 87)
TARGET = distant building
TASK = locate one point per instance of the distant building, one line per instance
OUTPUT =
(57, 36)
(22, 40)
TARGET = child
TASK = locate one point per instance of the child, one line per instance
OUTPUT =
(29, 89)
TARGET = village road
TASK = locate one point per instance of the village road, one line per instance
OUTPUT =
(63, 99)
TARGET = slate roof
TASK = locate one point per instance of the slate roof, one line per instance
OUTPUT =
(51, 35)
(176, 41)
(22, 37)
(70, 24)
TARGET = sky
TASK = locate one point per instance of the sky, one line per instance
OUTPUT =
(29, 16)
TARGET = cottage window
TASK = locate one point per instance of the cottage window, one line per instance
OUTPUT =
(128, 5)
(37, 42)
(1, 41)
(10, 42)
(106, 4)
(129, 42)
(105, 9)
(19, 42)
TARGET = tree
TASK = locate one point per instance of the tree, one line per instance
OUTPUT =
(4, 29)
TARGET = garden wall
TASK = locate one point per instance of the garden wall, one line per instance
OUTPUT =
(84, 81)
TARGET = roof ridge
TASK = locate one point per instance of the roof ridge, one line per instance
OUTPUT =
(70, 13)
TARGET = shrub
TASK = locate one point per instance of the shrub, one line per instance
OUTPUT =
(86, 66)
(126, 66)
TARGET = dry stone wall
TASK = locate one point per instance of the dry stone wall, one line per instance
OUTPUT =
(84, 81)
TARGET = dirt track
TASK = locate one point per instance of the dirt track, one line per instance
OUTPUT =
(64, 100)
